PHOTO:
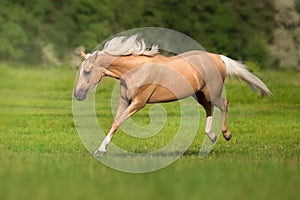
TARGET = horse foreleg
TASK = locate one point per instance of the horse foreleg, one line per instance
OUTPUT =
(123, 104)
(103, 147)
(125, 111)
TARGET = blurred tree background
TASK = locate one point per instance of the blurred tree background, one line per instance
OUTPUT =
(266, 32)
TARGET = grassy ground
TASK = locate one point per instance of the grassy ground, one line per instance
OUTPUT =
(42, 157)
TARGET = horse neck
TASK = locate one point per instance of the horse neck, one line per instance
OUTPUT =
(123, 64)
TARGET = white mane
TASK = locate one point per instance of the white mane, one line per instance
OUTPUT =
(122, 46)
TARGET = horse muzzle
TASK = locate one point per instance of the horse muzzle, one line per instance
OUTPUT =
(80, 95)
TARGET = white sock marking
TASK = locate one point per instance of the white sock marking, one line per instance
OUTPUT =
(208, 127)
(104, 144)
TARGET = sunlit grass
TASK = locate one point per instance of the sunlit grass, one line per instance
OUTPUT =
(42, 157)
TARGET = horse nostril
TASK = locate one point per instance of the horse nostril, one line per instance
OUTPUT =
(76, 96)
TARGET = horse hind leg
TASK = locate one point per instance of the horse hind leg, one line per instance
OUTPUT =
(209, 115)
(222, 104)
(208, 129)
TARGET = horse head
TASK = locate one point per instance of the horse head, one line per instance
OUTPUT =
(91, 72)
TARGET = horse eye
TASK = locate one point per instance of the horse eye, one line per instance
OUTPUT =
(86, 73)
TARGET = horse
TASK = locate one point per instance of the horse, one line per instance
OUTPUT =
(147, 76)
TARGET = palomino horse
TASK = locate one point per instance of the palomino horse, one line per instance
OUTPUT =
(146, 76)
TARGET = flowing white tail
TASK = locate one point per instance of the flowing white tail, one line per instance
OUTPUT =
(235, 68)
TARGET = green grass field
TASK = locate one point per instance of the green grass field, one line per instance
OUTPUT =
(42, 157)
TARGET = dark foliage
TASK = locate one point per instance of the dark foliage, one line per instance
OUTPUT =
(239, 28)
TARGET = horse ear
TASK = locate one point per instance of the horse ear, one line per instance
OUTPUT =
(83, 54)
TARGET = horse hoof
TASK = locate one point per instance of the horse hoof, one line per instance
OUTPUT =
(212, 137)
(98, 153)
(227, 136)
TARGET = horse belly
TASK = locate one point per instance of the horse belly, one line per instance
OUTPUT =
(168, 94)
